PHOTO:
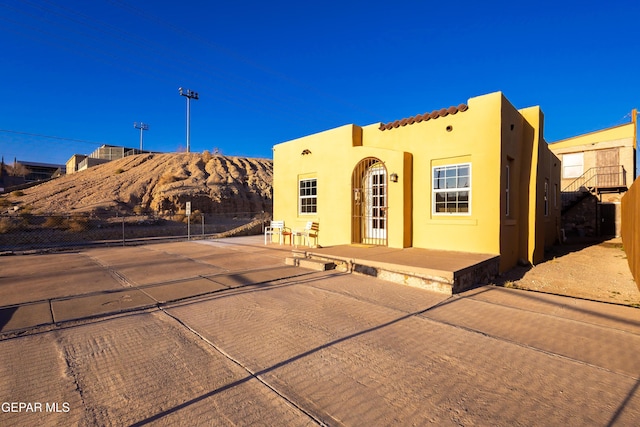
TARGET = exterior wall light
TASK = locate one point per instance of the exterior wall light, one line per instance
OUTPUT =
(394, 177)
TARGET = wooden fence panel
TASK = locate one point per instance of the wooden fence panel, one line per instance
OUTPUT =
(631, 229)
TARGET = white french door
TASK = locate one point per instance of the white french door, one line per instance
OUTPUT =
(375, 202)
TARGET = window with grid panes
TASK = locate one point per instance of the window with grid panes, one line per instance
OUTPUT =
(452, 189)
(308, 196)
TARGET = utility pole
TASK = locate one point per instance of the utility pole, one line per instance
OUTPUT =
(190, 95)
(142, 127)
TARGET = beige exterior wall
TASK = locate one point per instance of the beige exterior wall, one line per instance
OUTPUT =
(488, 136)
(73, 162)
(620, 138)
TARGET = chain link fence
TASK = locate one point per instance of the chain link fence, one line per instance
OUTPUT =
(25, 231)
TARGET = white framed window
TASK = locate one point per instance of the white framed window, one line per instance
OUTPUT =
(308, 196)
(572, 165)
(452, 189)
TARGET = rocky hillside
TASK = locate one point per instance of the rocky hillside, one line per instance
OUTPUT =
(161, 183)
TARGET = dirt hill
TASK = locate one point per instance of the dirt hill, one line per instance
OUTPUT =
(161, 183)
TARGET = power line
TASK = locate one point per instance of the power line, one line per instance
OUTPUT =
(284, 77)
(52, 137)
(106, 42)
(244, 93)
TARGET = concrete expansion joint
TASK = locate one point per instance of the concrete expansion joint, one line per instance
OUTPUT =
(113, 272)
(425, 315)
(256, 375)
(109, 314)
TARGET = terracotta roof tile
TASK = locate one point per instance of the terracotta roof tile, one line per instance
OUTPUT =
(424, 117)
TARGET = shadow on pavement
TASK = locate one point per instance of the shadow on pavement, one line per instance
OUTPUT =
(257, 375)
(624, 404)
(5, 315)
(535, 296)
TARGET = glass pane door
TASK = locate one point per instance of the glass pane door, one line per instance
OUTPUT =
(376, 203)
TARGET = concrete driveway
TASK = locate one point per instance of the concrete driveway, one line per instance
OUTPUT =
(224, 333)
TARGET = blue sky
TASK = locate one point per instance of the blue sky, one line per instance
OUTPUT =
(267, 72)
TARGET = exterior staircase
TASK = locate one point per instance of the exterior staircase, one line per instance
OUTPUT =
(595, 181)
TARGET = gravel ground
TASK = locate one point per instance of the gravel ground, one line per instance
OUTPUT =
(597, 272)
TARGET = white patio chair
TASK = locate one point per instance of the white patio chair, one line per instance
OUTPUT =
(276, 228)
(310, 232)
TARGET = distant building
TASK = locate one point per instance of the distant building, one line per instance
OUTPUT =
(103, 154)
(41, 171)
(73, 162)
(597, 169)
(23, 173)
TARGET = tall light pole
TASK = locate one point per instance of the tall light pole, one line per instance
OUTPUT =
(142, 127)
(190, 95)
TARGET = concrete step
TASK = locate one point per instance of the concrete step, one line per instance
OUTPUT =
(311, 264)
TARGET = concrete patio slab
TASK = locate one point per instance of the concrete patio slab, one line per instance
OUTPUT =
(143, 369)
(123, 256)
(352, 361)
(549, 333)
(287, 346)
(27, 278)
(182, 289)
(145, 266)
(34, 369)
(620, 317)
(425, 259)
(246, 244)
(25, 316)
(189, 249)
(95, 305)
(251, 277)
(238, 260)
(441, 271)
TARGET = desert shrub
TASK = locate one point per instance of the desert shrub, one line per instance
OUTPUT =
(17, 193)
(6, 225)
(77, 223)
(181, 216)
(196, 216)
(118, 171)
(22, 224)
(167, 178)
(206, 156)
(139, 210)
(26, 211)
(4, 202)
(54, 221)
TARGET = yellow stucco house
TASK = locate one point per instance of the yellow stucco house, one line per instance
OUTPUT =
(478, 177)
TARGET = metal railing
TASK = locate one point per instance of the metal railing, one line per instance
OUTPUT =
(598, 177)
(593, 181)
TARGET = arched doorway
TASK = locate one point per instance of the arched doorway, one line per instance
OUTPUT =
(369, 203)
